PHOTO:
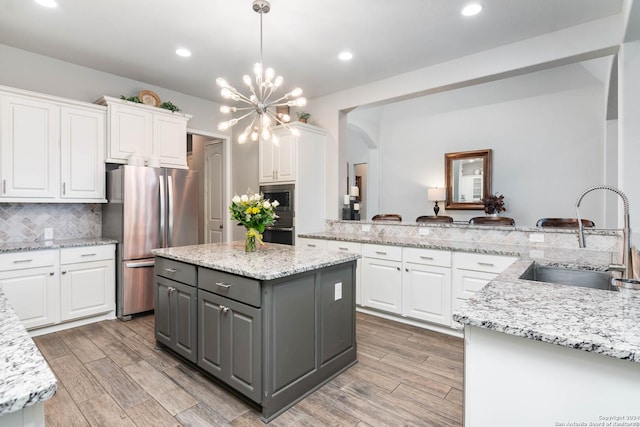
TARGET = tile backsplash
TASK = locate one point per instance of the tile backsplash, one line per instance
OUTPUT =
(25, 222)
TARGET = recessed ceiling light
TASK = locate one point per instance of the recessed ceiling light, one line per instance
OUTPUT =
(47, 3)
(345, 56)
(471, 9)
(183, 52)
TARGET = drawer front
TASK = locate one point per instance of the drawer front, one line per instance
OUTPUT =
(311, 243)
(176, 270)
(393, 253)
(87, 254)
(231, 286)
(427, 256)
(482, 262)
(350, 247)
(28, 259)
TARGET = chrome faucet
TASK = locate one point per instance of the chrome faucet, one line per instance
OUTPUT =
(625, 267)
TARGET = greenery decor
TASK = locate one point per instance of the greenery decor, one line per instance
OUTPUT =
(167, 105)
(493, 204)
(303, 116)
(255, 213)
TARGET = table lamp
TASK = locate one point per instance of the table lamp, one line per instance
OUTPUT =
(435, 195)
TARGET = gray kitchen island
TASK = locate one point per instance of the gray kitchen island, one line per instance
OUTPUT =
(273, 325)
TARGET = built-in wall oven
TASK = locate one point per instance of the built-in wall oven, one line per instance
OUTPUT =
(283, 230)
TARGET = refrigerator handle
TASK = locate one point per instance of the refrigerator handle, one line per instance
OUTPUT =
(170, 210)
(163, 210)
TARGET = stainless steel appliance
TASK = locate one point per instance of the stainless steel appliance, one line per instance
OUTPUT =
(283, 230)
(148, 208)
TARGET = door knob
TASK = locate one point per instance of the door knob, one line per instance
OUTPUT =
(224, 309)
(221, 226)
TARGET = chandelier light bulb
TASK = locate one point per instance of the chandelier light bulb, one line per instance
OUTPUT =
(247, 80)
(278, 81)
(254, 135)
(269, 74)
(222, 82)
(296, 92)
(242, 138)
(266, 134)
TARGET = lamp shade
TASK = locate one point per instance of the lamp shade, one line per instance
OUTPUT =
(435, 194)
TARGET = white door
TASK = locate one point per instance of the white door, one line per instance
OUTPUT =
(213, 190)
(286, 154)
(427, 293)
(82, 153)
(30, 151)
(33, 294)
(170, 140)
(382, 285)
(86, 289)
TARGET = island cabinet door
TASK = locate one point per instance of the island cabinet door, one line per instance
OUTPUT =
(175, 313)
(230, 342)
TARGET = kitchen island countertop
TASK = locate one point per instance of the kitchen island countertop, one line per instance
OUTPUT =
(270, 261)
(25, 377)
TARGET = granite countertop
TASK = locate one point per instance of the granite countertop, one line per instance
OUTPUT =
(54, 244)
(26, 378)
(599, 321)
(270, 261)
(583, 256)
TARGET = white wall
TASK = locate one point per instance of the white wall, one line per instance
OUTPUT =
(586, 41)
(38, 73)
(546, 130)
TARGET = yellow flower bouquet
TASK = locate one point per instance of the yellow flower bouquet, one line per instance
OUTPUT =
(255, 213)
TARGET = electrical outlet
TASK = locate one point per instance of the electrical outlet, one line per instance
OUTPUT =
(423, 231)
(366, 227)
(48, 233)
(536, 237)
(337, 291)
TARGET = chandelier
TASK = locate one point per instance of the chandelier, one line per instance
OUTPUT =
(261, 100)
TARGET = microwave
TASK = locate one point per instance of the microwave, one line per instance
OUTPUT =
(284, 194)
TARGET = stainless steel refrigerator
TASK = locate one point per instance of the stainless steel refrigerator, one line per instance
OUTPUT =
(148, 208)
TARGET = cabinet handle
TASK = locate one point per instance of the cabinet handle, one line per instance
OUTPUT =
(170, 289)
(381, 253)
(223, 285)
(311, 245)
(430, 258)
(19, 261)
(343, 249)
(398, 268)
(93, 254)
(486, 264)
(171, 270)
(64, 272)
(64, 188)
(4, 186)
(406, 269)
(224, 309)
(52, 273)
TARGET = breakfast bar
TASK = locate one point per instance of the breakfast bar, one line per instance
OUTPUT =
(272, 325)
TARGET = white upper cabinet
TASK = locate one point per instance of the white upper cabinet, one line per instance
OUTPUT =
(82, 153)
(30, 132)
(278, 162)
(145, 131)
(52, 148)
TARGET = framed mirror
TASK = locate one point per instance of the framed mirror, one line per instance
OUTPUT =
(467, 178)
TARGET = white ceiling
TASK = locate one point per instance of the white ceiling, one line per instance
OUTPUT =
(137, 38)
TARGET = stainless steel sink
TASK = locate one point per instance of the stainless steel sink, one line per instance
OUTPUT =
(569, 276)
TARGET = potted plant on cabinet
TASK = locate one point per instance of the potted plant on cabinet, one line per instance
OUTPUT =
(303, 116)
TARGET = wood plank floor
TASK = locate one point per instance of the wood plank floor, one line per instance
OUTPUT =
(111, 374)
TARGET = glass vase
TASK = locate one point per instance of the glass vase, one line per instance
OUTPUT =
(250, 240)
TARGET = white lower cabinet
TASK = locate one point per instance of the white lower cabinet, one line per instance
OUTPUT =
(471, 272)
(87, 281)
(52, 286)
(31, 283)
(426, 285)
(382, 278)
